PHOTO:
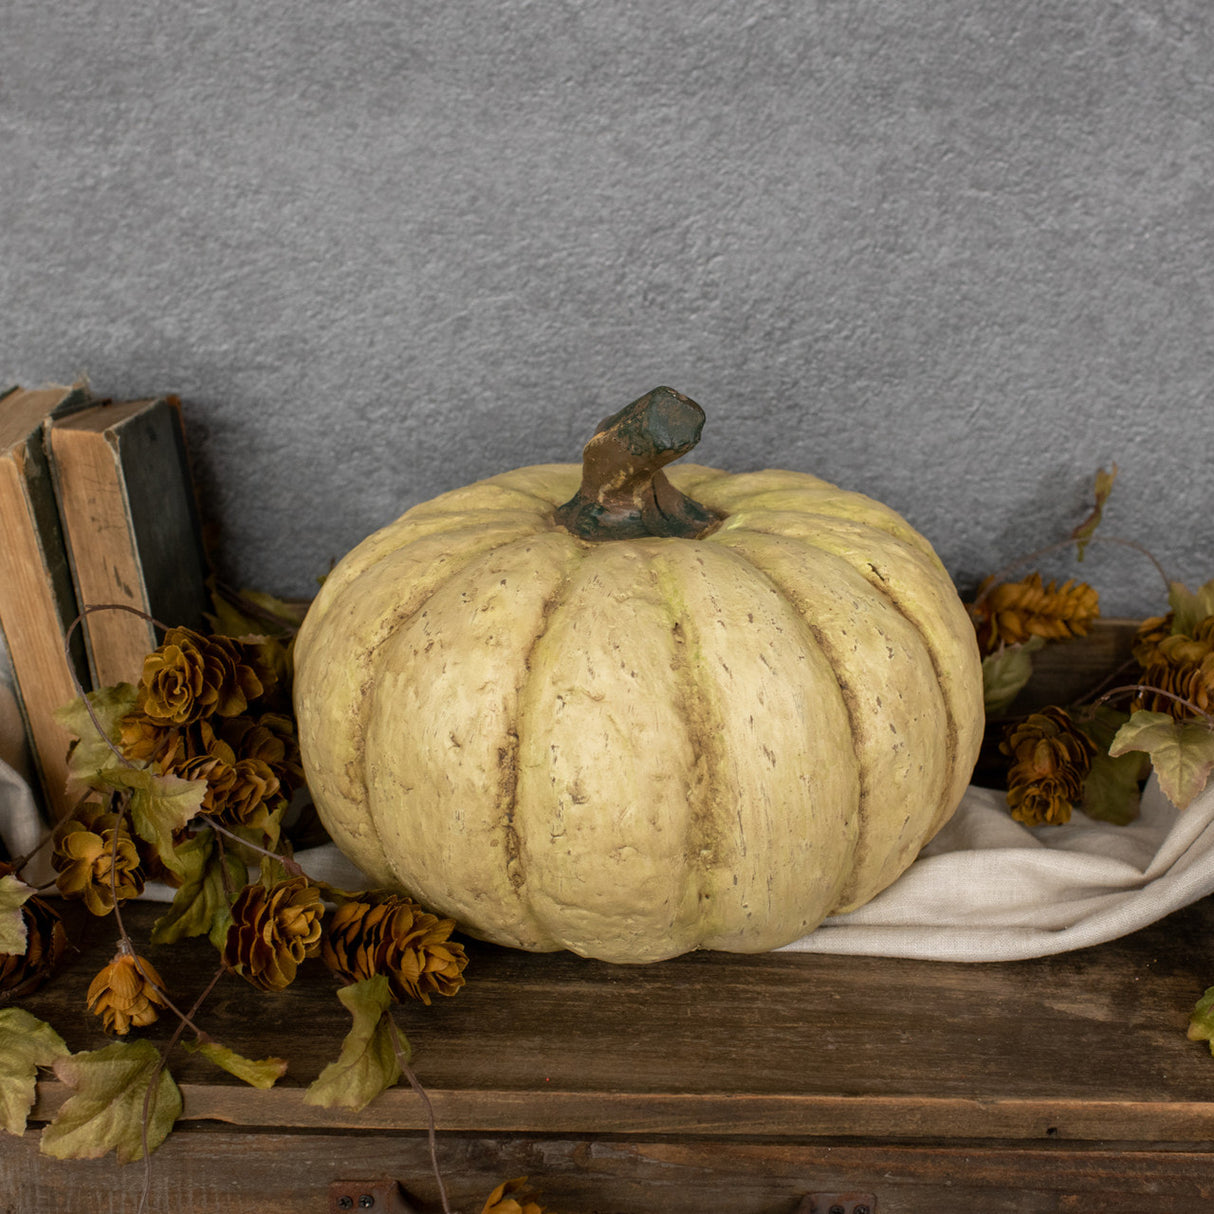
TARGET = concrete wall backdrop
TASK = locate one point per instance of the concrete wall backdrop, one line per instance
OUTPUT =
(952, 253)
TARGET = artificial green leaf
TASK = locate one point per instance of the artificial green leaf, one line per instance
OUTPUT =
(367, 1064)
(13, 935)
(1111, 790)
(26, 1043)
(1189, 609)
(160, 805)
(202, 897)
(264, 1073)
(1201, 1022)
(1005, 673)
(1083, 533)
(106, 1111)
(1182, 752)
(93, 756)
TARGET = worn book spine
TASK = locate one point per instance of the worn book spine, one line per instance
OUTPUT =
(122, 478)
(37, 600)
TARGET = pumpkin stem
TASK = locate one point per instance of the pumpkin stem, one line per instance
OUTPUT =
(624, 493)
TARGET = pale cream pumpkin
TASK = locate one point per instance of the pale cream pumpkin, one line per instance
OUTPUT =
(636, 747)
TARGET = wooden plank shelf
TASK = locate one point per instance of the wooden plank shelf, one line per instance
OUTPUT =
(1031, 1085)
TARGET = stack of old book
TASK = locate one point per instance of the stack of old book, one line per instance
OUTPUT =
(99, 545)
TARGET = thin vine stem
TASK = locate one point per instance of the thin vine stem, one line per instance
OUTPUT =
(290, 864)
(403, 1062)
(71, 666)
(1143, 688)
(1029, 558)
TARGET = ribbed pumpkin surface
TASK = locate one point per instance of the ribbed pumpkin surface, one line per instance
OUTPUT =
(636, 748)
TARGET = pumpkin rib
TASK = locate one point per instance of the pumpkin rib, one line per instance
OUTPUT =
(919, 588)
(603, 864)
(755, 790)
(898, 791)
(452, 691)
(774, 491)
(414, 525)
(343, 643)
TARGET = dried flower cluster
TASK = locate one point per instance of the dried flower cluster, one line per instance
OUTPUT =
(1178, 663)
(1012, 612)
(1051, 759)
(391, 934)
(195, 719)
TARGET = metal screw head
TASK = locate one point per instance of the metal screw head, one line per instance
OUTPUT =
(345, 1203)
(861, 1210)
(366, 1201)
(837, 1210)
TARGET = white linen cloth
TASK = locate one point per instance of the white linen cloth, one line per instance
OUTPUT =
(988, 889)
(985, 889)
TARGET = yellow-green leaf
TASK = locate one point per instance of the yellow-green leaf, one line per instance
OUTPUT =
(106, 1111)
(93, 756)
(160, 805)
(1189, 609)
(1005, 673)
(1182, 752)
(263, 1073)
(367, 1064)
(26, 1043)
(270, 615)
(202, 897)
(1201, 1022)
(1084, 532)
(13, 893)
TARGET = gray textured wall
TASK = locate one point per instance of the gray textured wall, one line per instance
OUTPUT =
(953, 253)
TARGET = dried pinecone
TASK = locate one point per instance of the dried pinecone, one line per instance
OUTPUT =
(191, 676)
(127, 992)
(21, 975)
(1051, 761)
(1177, 663)
(96, 857)
(391, 934)
(510, 1198)
(1012, 612)
(272, 931)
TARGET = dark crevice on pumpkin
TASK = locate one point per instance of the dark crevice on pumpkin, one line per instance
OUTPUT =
(624, 494)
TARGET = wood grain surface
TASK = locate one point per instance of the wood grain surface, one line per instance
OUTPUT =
(1086, 1046)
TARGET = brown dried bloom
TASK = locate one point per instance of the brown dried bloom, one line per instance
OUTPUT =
(391, 934)
(268, 739)
(95, 857)
(145, 739)
(127, 992)
(510, 1197)
(1012, 612)
(22, 974)
(272, 931)
(239, 787)
(1051, 761)
(1177, 663)
(191, 676)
